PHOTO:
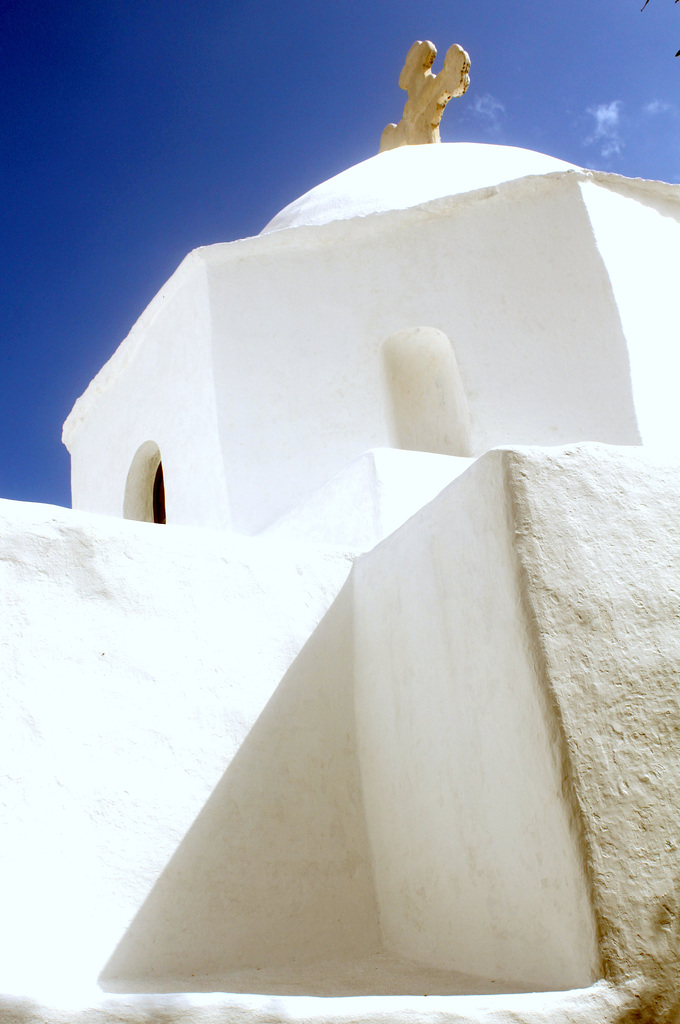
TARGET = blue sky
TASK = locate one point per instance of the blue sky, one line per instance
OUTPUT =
(134, 132)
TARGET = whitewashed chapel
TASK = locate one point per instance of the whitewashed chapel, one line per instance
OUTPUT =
(391, 706)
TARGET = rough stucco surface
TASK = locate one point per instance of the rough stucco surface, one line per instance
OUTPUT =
(589, 565)
(142, 752)
(600, 1004)
(598, 541)
(476, 861)
(254, 437)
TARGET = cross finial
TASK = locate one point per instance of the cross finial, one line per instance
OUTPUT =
(428, 94)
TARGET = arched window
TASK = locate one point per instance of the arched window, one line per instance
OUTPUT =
(428, 404)
(159, 496)
(145, 487)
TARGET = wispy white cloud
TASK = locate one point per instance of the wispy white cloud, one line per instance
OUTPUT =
(657, 107)
(489, 111)
(606, 132)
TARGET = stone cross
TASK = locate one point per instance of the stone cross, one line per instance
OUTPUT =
(428, 94)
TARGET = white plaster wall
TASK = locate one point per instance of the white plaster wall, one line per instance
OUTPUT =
(638, 236)
(180, 798)
(476, 857)
(369, 499)
(511, 276)
(157, 387)
(293, 338)
(163, 815)
(599, 1004)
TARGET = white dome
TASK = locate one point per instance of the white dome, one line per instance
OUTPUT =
(409, 176)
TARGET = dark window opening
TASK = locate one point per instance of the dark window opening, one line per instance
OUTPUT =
(159, 496)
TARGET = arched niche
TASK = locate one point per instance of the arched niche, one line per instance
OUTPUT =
(428, 404)
(145, 486)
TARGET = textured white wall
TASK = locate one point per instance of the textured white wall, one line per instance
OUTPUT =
(261, 374)
(138, 804)
(230, 768)
(158, 387)
(476, 860)
(369, 498)
(511, 277)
